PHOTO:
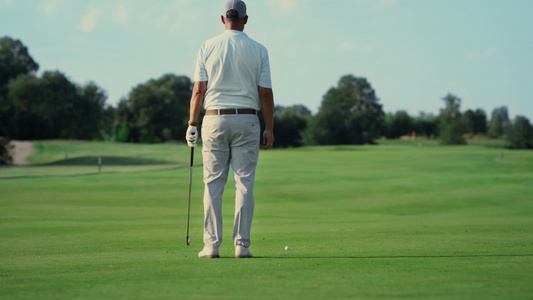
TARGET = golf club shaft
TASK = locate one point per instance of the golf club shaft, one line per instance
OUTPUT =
(190, 185)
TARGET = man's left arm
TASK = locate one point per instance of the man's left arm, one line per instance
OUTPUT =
(266, 96)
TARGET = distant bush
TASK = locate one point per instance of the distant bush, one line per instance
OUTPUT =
(167, 134)
(451, 122)
(521, 134)
(123, 132)
(5, 157)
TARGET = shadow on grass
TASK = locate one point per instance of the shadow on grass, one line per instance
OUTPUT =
(94, 161)
(107, 161)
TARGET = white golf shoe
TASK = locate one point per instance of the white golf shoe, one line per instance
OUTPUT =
(242, 252)
(209, 253)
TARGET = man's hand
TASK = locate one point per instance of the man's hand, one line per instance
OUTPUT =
(268, 139)
(191, 136)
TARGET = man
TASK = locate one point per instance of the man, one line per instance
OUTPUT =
(232, 82)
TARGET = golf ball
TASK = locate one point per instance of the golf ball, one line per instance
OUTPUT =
(287, 248)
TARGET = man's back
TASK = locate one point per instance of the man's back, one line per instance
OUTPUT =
(234, 66)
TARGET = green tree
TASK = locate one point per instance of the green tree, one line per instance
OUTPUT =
(496, 126)
(107, 123)
(349, 114)
(475, 122)
(90, 107)
(29, 109)
(54, 107)
(426, 125)
(5, 156)
(123, 132)
(47, 107)
(14, 61)
(521, 134)
(290, 123)
(480, 122)
(154, 106)
(452, 127)
(399, 124)
(499, 123)
(297, 110)
(468, 121)
(167, 134)
(122, 126)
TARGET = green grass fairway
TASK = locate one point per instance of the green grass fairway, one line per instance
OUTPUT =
(363, 222)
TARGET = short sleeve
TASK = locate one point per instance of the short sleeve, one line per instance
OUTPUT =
(264, 75)
(200, 72)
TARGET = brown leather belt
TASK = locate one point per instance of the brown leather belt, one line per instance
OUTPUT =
(232, 111)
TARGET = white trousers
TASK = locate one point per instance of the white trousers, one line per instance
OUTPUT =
(229, 140)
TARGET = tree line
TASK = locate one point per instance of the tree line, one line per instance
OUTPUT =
(50, 106)
(351, 114)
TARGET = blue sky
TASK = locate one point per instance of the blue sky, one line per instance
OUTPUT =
(413, 52)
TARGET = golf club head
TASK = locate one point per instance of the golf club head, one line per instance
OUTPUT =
(188, 241)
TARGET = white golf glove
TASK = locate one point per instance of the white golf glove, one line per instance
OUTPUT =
(192, 136)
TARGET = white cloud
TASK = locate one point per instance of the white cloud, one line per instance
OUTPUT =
(8, 2)
(89, 20)
(50, 7)
(385, 4)
(487, 54)
(347, 46)
(350, 45)
(283, 6)
(121, 14)
(162, 21)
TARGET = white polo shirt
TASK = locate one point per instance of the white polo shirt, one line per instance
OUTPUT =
(234, 66)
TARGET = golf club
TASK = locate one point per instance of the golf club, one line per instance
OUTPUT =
(189, 209)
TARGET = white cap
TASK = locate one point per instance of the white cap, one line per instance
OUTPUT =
(236, 5)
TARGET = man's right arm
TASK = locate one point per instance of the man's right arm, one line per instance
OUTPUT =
(266, 96)
(197, 101)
